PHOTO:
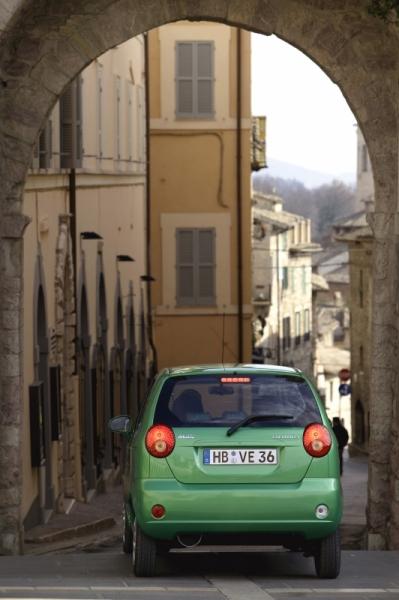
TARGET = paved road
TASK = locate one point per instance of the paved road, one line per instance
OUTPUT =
(215, 576)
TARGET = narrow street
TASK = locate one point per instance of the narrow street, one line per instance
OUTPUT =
(103, 571)
(277, 575)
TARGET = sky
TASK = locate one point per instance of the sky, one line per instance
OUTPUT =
(309, 122)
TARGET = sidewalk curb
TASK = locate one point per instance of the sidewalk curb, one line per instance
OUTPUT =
(73, 532)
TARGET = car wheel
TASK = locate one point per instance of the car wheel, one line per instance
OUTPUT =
(327, 558)
(127, 539)
(144, 553)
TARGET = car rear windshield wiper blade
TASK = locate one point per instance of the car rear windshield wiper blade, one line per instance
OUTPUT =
(252, 418)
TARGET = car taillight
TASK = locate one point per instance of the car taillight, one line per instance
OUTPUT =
(316, 440)
(160, 441)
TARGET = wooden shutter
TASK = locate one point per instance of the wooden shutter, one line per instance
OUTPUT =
(195, 266)
(66, 128)
(204, 79)
(184, 79)
(129, 121)
(36, 414)
(141, 129)
(205, 267)
(117, 96)
(71, 125)
(194, 79)
(185, 266)
(100, 109)
(78, 122)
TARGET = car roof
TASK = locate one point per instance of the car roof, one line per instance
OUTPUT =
(230, 369)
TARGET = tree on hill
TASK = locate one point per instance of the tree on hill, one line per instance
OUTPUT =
(322, 205)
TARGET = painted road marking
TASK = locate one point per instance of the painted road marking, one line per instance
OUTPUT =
(239, 588)
(233, 588)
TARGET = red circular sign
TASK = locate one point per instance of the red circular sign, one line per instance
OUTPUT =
(344, 374)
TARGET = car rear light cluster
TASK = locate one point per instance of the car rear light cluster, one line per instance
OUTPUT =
(160, 441)
(316, 440)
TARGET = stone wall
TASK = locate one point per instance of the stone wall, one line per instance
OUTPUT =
(44, 44)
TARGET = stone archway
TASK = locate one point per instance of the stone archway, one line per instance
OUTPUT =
(45, 43)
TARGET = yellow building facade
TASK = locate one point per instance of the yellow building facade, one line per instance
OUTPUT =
(200, 125)
(85, 326)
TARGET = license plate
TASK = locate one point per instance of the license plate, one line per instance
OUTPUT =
(241, 456)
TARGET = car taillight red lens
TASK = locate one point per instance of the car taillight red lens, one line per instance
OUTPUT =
(316, 440)
(160, 441)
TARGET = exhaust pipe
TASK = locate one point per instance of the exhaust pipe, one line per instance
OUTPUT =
(189, 541)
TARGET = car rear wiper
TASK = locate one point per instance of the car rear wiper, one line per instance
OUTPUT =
(252, 418)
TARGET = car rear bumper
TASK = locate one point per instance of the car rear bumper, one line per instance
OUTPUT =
(208, 509)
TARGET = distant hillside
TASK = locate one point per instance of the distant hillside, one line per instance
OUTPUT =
(309, 178)
(323, 204)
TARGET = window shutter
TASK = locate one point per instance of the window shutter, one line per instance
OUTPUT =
(117, 96)
(195, 267)
(184, 78)
(204, 78)
(129, 121)
(78, 122)
(185, 266)
(206, 266)
(71, 125)
(194, 79)
(100, 109)
(66, 128)
(141, 129)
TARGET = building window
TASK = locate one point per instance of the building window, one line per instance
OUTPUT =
(304, 280)
(285, 278)
(195, 266)
(46, 146)
(118, 124)
(71, 126)
(140, 133)
(286, 333)
(297, 328)
(365, 166)
(306, 324)
(194, 79)
(361, 289)
(293, 279)
(100, 109)
(129, 121)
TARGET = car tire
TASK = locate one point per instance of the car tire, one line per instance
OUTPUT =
(144, 553)
(327, 558)
(127, 538)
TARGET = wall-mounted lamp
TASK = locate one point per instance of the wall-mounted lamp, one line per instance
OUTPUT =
(90, 235)
(124, 258)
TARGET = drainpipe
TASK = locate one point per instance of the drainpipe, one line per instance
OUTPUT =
(239, 205)
(278, 299)
(148, 210)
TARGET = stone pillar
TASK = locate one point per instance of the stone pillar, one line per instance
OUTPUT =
(383, 488)
(11, 344)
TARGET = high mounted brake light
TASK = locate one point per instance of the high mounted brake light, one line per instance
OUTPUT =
(317, 440)
(235, 380)
(160, 441)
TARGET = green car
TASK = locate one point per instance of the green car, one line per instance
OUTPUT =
(240, 454)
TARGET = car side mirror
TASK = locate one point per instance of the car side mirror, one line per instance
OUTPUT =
(120, 424)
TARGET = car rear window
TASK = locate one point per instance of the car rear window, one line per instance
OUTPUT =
(215, 401)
